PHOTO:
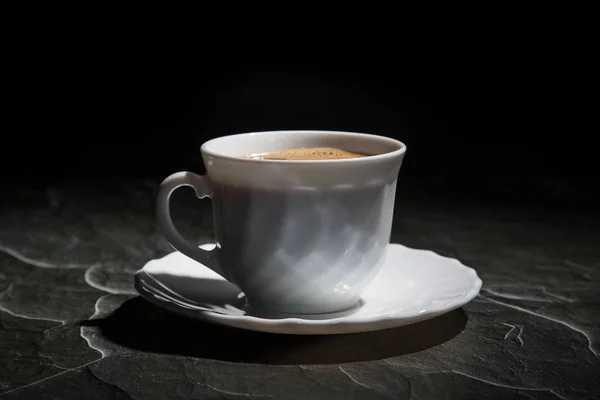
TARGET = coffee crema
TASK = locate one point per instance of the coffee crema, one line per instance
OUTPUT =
(307, 153)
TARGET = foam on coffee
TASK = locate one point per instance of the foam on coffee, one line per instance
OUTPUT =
(309, 153)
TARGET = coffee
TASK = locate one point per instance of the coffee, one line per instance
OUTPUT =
(307, 153)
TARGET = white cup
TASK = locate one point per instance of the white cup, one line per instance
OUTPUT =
(296, 236)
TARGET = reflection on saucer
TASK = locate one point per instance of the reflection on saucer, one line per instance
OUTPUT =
(259, 312)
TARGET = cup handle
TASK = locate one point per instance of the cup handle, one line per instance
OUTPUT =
(209, 258)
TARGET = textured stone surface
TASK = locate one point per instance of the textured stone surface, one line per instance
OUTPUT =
(71, 325)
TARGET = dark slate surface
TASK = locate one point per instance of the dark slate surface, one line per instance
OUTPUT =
(72, 326)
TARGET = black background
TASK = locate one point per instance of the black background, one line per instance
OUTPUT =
(491, 118)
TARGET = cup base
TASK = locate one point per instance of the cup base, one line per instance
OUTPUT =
(302, 312)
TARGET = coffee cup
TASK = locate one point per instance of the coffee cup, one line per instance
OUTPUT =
(296, 236)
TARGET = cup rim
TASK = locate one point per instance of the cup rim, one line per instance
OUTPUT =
(373, 158)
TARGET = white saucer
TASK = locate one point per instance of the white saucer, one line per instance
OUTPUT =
(412, 286)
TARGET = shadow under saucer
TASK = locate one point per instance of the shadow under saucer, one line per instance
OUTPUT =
(140, 325)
